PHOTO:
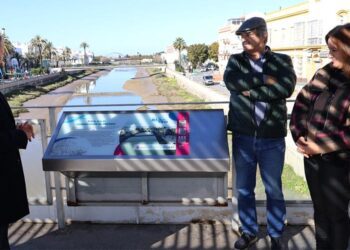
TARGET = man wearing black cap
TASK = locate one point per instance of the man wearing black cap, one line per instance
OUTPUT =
(259, 82)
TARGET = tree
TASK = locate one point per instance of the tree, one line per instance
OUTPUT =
(38, 44)
(66, 54)
(179, 44)
(214, 51)
(84, 45)
(49, 51)
(7, 49)
(197, 54)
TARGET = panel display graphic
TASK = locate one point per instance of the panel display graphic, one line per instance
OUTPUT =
(122, 134)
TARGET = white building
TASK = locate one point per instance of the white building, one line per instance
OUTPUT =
(298, 31)
(228, 42)
(171, 55)
(21, 48)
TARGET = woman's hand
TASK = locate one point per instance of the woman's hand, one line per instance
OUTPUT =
(28, 129)
(307, 147)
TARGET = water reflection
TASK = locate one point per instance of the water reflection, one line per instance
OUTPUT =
(108, 89)
(114, 81)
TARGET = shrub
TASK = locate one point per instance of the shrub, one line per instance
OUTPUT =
(179, 67)
(37, 71)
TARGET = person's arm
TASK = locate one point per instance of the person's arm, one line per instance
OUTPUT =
(10, 139)
(280, 80)
(299, 116)
(342, 134)
(239, 77)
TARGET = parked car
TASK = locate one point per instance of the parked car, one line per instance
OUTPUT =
(212, 66)
(208, 80)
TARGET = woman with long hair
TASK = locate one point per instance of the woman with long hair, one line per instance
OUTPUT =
(320, 126)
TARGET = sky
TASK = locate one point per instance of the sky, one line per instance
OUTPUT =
(128, 26)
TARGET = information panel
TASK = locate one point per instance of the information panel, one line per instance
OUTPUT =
(123, 141)
(118, 134)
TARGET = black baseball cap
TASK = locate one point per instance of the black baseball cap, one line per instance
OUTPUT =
(251, 24)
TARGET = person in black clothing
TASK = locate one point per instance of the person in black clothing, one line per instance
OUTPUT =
(14, 203)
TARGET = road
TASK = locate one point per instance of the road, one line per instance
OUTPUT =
(198, 76)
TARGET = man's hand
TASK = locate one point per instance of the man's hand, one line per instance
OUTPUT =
(269, 79)
(246, 93)
(28, 129)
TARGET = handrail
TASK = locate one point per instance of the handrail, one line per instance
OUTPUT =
(131, 104)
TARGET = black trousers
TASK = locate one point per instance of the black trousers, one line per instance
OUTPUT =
(4, 242)
(328, 181)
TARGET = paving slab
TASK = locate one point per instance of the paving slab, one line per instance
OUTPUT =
(30, 236)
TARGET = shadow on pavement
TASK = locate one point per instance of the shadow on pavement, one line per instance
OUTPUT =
(126, 236)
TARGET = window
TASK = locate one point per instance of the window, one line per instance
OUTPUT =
(314, 34)
(299, 31)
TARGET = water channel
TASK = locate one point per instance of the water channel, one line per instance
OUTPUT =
(108, 89)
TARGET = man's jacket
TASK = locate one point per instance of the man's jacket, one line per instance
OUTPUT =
(239, 76)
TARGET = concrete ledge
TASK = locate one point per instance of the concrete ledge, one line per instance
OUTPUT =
(159, 214)
(33, 81)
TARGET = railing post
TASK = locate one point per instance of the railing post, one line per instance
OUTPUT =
(52, 119)
(48, 184)
(58, 190)
(59, 201)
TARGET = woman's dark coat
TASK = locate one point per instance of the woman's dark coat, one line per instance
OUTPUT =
(14, 203)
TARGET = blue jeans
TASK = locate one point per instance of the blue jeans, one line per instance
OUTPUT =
(248, 152)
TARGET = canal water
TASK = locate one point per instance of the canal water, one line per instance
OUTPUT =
(107, 89)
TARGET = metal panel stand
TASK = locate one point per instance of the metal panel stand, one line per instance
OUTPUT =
(59, 202)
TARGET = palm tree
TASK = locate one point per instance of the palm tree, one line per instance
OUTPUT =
(66, 54)
(38, 44)
(84, 45)
(7, 49)
(49, 51)
(179, 44)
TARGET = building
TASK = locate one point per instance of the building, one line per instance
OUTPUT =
(79, 58)
(171, 55)
(299, 31)
(228, 41)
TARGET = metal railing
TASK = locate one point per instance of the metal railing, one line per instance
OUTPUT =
(47, 131)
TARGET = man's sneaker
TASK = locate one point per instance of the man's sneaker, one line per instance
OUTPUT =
(245, 241)
(276, 243)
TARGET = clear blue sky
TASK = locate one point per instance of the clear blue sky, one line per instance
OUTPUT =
(125, 26)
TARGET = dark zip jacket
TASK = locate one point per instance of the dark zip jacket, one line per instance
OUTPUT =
(239, 76)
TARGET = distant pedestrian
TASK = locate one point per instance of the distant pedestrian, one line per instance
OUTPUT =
(320, 125)
(259, 82)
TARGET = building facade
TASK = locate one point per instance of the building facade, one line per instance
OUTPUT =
(228, 41)
(299, 31)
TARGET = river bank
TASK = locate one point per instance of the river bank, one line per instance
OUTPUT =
(154, 87)
(57, 97)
